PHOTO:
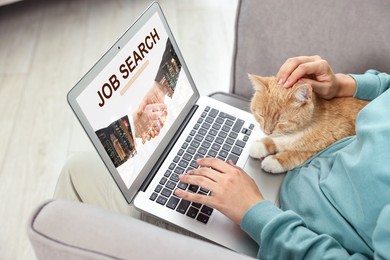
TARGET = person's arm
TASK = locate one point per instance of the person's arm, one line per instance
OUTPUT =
(371, 84)
(280, 234)
(284, 235)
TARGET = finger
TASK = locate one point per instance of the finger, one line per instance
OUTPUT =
(199, 180)
(195, 197)
(156, 127)
(290, 65)
(231, 162)
(156, 123)
(301, 71)
(315, 73)
(216, 164)
(151, 134)
(155, 132)
(165, 114)
(205, 172)
(161, 121)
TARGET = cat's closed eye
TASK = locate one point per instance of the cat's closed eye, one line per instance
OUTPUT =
(290, 120)
(283, 122)
(259, 114)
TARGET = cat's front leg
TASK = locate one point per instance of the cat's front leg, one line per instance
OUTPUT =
(284, 161)
(262, 148)
(272, 164)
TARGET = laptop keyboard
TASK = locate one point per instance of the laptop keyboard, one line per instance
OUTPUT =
(216, 134)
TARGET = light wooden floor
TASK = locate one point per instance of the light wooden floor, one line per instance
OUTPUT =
(45, 47)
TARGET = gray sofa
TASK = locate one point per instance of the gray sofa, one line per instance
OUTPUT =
(353, 35)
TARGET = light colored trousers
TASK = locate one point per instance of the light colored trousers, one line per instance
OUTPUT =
(85, 178)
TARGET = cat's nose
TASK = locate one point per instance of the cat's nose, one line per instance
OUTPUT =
(267, 132)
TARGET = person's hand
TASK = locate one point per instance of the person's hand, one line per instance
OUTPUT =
(156, 94)
(233, 191)
(318, 73)
(149, 122)
(151, 113)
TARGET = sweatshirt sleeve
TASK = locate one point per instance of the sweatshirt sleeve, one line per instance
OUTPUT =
(371, 84)
(284, 235)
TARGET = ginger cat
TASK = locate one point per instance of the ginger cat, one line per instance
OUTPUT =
(297, 122)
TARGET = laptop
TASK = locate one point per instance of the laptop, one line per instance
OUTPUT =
(143, 113)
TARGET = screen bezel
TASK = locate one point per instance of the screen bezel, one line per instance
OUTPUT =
(129, 193)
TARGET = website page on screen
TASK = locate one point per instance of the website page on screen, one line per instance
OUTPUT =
(135, 99)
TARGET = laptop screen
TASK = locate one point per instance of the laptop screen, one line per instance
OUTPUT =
(134, 100)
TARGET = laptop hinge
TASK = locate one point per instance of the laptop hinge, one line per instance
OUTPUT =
(160, 161)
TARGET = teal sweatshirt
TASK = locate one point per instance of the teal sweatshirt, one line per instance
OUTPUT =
(337, 204)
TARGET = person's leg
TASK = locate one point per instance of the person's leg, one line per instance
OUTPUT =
(85, 178)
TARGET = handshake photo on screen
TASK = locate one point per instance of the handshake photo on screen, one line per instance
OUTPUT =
(119, 138)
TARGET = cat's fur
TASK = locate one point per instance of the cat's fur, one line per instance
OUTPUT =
(297, 122)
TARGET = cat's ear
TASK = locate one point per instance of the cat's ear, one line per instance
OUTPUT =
(259, 83)
(303, 93)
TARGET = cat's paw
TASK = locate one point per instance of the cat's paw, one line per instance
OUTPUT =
(272, 165)
(258, 150)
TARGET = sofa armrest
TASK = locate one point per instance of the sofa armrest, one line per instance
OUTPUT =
(72, 230)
